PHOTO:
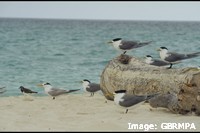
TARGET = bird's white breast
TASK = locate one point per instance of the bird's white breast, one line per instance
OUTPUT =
(116, 44)
(163, 54)
(118, 98)
(47, 88)
(148, 60)
(85, 85)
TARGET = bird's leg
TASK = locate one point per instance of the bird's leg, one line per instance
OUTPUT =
(124, 52)
(90, 94)
(126, 111)
(170, 66)
(53, 98)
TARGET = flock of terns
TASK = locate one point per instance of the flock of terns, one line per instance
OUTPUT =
(120, 97)
(167, 58)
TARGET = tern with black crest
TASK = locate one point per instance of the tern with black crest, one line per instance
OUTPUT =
(127, 101)
(90, 87)
(124, 45)
(54, 92)
(174, 57)
(156, 62)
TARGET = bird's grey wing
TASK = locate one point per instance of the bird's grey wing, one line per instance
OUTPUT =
(57, 91)
(93, 87)
(130, 100)
(132, 44)
(175, 57)
(160, 63)
(126, 45)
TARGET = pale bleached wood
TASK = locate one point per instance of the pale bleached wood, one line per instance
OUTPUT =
(137, 77)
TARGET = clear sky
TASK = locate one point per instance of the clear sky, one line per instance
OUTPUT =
(129, 10)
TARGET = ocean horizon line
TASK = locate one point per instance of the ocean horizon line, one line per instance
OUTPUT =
(91, 19)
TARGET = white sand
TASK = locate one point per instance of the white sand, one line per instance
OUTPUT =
(79, 112)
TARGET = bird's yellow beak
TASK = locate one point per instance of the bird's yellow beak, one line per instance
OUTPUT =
(109, 42)
(40, 85)
(158, 49)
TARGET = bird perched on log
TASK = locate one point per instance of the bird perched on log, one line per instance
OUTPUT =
(52, 91)
(156, 62)
(127, 101)
(90, 87)
(124, 45)
(174, 57)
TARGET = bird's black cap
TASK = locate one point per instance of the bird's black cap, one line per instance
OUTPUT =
(148, 56)
(163, 48)
(117, 39)
(47, 83)
(86, 80)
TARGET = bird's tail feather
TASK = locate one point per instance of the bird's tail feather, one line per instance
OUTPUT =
(151, 96)
(193, 55)
(145, 43)
(73, 90)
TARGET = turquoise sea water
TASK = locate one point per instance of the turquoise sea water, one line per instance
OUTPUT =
(64, 52)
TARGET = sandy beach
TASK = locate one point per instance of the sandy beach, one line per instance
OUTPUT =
(79, 112)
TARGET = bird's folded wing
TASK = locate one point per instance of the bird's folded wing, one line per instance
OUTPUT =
(175, 57)
(130, 100)
(128, 45)
(93, 87)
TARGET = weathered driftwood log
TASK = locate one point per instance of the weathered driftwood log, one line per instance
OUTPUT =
(139, 78)
(189, 99)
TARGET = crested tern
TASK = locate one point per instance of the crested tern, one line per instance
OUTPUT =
(90, 87)
(124, 45)
(156, 62)
(174, 57)
(52, 91)
(127, 101)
